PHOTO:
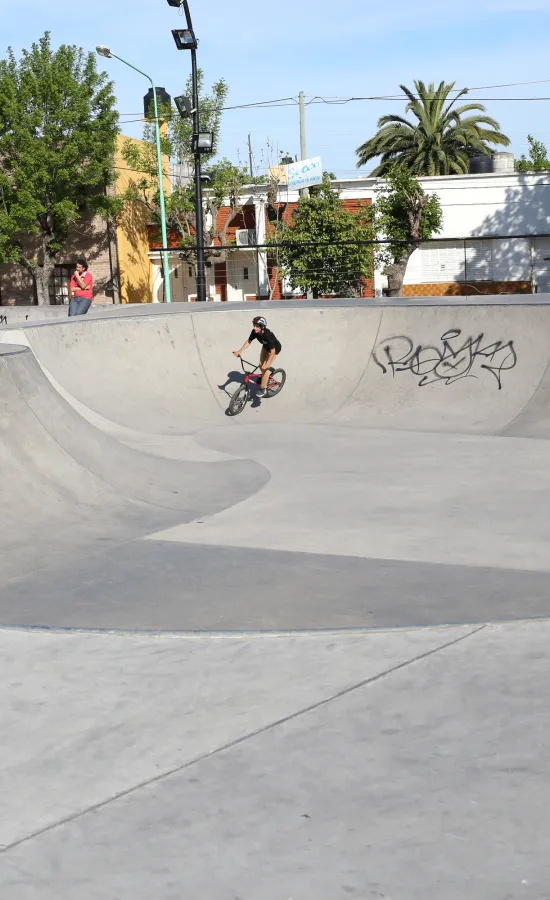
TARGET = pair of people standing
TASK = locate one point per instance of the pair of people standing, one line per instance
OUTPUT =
(80, 289)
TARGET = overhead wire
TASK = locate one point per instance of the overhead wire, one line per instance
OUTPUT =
(292, 101)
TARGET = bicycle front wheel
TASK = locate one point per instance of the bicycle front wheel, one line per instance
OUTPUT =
(238, 401)
(276, 382)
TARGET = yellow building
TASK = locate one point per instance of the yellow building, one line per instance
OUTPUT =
(134, 264)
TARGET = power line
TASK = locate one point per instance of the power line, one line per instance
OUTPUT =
(488, 87)
(292, 245)
(341, 102)
(388, 96)
(400, 97)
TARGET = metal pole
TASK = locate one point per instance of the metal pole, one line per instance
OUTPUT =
(303, 153)
(165, 264)
(251, 168)
(199, 230)
(303, 149)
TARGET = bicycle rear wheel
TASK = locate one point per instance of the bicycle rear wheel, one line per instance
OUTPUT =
(238, 401)
(276, 382)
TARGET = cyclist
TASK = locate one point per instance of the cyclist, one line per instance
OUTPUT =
(271, 347)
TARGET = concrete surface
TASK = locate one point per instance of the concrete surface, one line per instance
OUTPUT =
(397, 765)
(15, 315)
(361, 710)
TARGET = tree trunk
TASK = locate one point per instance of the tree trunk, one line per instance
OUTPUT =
(395, 274)
(41, 276)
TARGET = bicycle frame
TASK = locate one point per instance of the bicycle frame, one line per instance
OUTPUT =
(254, 376)
(244, 394)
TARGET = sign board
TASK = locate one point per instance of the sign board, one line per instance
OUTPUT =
(305, 173)
(278, 172)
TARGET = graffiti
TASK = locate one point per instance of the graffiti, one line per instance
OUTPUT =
(457, 357)
(3, 320)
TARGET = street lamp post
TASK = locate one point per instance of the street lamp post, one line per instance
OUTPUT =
(185, 39)
(201, 274)
(108, 54)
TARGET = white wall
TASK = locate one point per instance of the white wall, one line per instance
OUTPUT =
(475, 206)
(239, 265)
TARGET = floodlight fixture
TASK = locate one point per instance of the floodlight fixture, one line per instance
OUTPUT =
(202, 142)
(185, 38)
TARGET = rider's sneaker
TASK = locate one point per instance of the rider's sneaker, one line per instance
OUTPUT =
(261, 393)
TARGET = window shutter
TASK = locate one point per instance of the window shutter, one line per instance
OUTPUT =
(479, 261)
(442, 262)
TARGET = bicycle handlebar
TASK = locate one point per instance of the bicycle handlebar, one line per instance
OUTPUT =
(248, 364)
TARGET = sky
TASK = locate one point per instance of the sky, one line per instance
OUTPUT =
(328, 50)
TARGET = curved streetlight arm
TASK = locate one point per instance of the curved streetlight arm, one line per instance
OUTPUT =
(135, 68)
(165, 265)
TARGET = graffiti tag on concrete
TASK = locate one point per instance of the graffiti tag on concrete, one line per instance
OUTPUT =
(455, 358)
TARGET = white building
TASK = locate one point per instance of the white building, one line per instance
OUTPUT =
(495, 239)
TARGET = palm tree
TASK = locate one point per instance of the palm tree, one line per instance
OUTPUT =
(440, 142)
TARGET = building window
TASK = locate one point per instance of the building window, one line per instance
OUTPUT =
(449, 261)
(59, 285)
(245, 273)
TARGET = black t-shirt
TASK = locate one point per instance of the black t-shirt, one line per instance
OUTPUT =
(267, 339)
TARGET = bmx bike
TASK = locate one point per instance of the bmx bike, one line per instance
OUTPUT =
(253, 377)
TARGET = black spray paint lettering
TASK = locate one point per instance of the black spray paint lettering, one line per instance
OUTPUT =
(456, 358)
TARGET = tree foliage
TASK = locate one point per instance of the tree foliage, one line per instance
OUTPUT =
(211, 109)
(226, 179)
(403, 212)
(538, 157)
(315, 256)
(441, 138)
(58, 128)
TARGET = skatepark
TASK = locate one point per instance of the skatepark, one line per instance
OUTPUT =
(300, 653)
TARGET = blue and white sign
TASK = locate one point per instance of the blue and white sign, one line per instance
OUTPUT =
(305, 173)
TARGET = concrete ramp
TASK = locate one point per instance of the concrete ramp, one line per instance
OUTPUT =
(301, 512)
(459, 369)
(239, 647)
(473, 368)
(68, 488)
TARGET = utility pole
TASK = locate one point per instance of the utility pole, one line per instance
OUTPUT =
(250, 156)
(303, 149)
(303, 152)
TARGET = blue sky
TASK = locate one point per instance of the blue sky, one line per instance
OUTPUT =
(324, 49)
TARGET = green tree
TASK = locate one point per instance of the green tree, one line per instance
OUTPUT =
(180, 129)
(314, 256)
(538, 157)
(403, 213)
(58, 128)
(441, 138)
(226, 180)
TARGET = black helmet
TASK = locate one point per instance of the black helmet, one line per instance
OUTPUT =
(259, 320)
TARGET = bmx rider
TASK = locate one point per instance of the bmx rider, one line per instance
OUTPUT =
(271, 347)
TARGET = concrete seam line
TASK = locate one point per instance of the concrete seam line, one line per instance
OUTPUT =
(199, 354)
(251, 634)
(241, 740)
(525, 406)
(362, 375)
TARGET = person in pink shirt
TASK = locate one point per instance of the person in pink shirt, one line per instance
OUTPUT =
(80, 289)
